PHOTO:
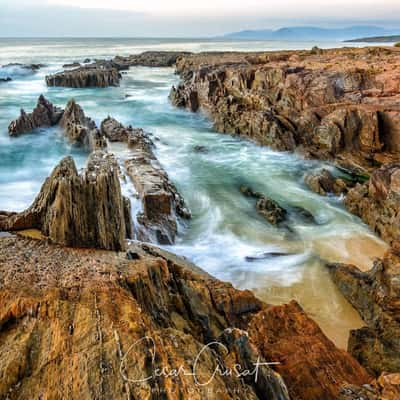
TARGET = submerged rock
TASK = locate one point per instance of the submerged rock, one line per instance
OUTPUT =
(81, 129)
(85, 210)
(323, 182)
(377, 203)
(376, 296)
(8, 79)
(45, 114)
(86, 76)
(124, 319)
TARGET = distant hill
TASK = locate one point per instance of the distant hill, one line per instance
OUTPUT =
(377, 39)
(312, 33)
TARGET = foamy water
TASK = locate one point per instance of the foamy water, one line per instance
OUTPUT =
(226, 236)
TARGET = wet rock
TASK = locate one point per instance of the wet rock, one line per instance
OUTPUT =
(266, 256)
(151, 59)
(45, 114)
(114, 131)
(376, 296)
(87, 60)
(200, 149)
(377, 203)
(72, 65)
(99, 304)
(31, 67)
(8, 79)
(161, 201)
(80, 129)
(323, 182)
(75, 210)
(85, 76)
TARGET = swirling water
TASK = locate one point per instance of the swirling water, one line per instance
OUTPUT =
(226, 229)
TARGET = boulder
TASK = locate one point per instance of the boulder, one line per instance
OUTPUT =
(45, 114)
(85, 210)
(323, 182)
(80, 129)
(377, 203)
(376, 296)
(86, 76)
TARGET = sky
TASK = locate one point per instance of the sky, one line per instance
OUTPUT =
(176, 18)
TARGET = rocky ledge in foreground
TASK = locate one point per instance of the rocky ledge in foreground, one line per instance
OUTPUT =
(162, 204)
(377, 202)
(376, 296)
(85, 210)
(79, 128)
(339, 104)
(114, 320)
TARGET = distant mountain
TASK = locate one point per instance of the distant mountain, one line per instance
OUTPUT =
(312, 33)
(377, 39)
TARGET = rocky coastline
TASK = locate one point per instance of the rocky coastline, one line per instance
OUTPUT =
(112, 311)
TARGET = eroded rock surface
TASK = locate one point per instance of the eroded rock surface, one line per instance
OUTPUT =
(81, 129)
(45, 114)
(88, 312)
(377, 202)
(85, 210)
(162, 204)
(340, 104)
(91, 75)
(376, 296)
(323, 182)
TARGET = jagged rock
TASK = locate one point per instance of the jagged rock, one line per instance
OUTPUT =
(81, 129)
(45, 114)
(377, 202)
(88, 312)
(114, 131)
(85, 76)
(161, 201)
(323, 182)
(266, 207)
(75, 210)
(376, 296)
(150, 59)
(324, 106)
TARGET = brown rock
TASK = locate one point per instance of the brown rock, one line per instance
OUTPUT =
(114, 131)
(81, 129)
(87, 312)
(45, 114)
(377, 203)
(323, 182)
(85, 210)
(376, 296)
(86, 76)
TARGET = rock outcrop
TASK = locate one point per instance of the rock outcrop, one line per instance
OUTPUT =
(377, 202)
(321, 181)
(45, 114)
(376, 296)
(85, 210)
(335, 105)
(81, 129)
(115, 320)
(150, 59)
(162, 204)
(91, 75)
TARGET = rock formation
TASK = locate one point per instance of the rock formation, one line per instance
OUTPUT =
(162, 204)
(91, 75)
(81, 129)
(334, 105)
(377, 202)
(376, 296)
(75, 210)
(114, 319)
(323, 182)
(150, 59)
(45, 114)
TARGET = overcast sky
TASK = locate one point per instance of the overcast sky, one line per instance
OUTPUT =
(184, 18)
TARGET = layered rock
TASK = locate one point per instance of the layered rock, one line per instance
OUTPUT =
(113, 320)
(81, 129)
(376, 296)
(92, 75)
(45, 114)
(335, 105)
(162, 204)
(377, 202)
(150, 59)
(85, 210)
